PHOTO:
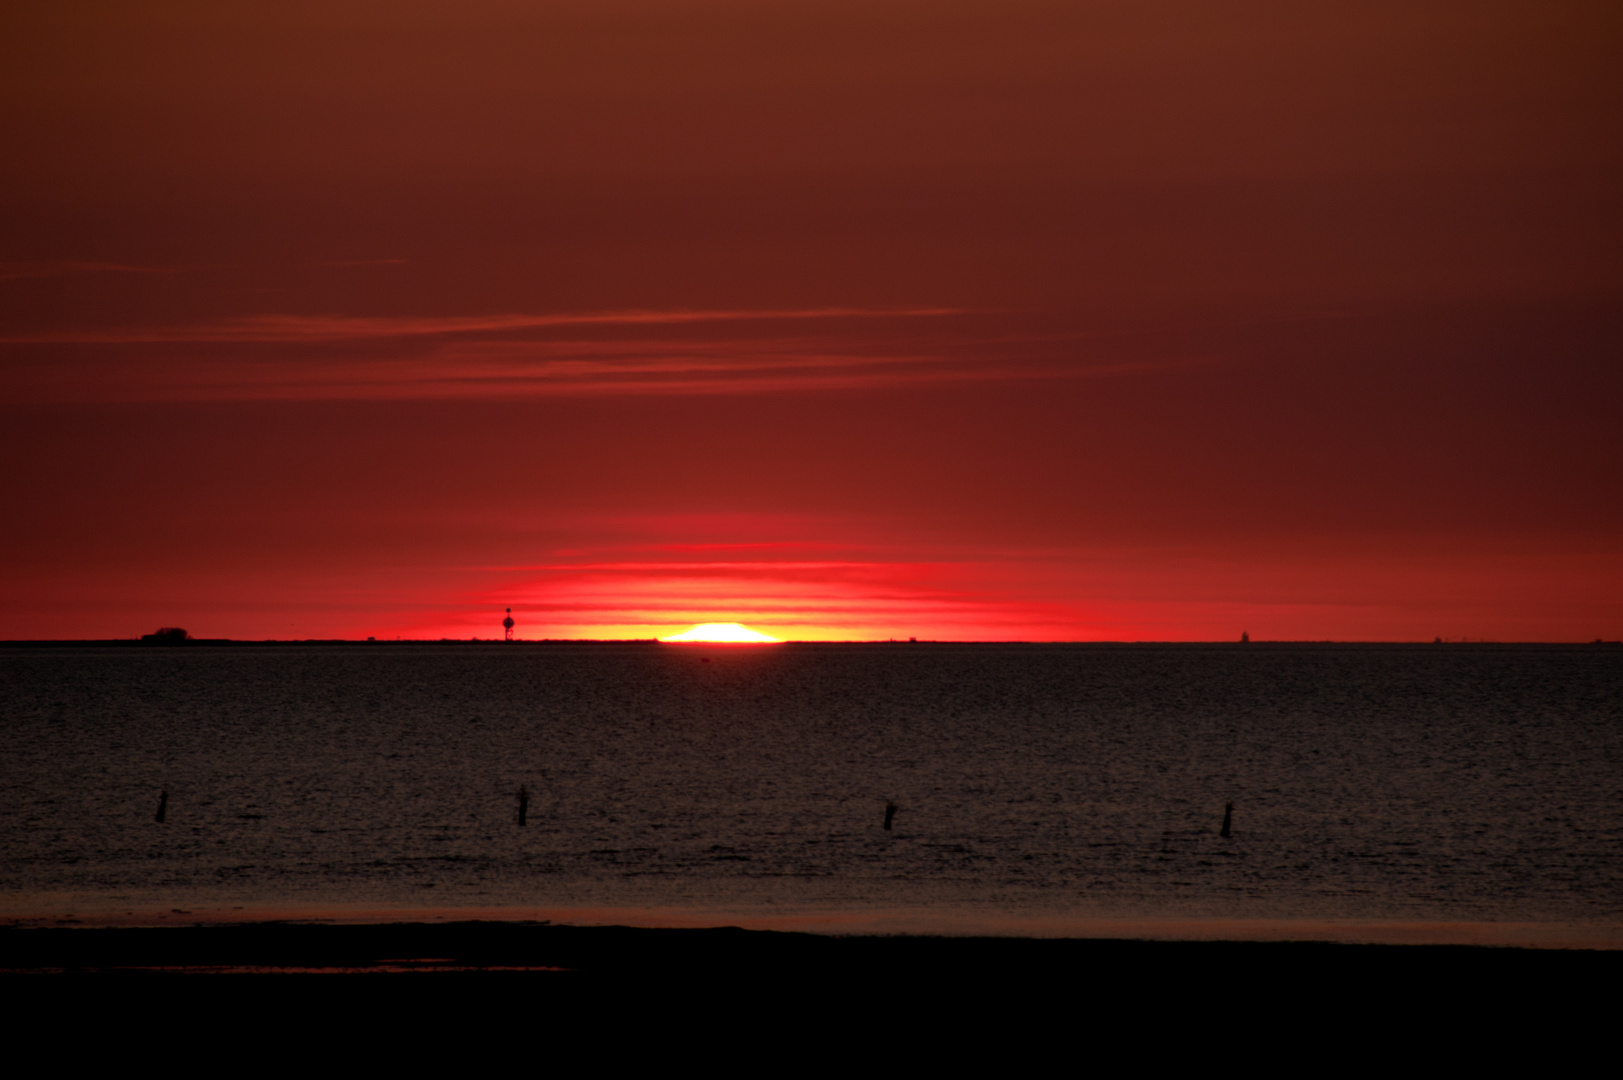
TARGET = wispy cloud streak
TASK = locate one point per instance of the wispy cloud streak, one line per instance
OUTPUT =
(502, 370)
(312, 329)
(671, 353)
(54, 268)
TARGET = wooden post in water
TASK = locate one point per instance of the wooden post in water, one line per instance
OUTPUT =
(163, 807)
(890, 812)
(1228, 819)
(523, 804)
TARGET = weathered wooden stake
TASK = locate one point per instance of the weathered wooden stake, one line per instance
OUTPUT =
(1228, 819)
(523, 804)
(890, 812)
(163, 807)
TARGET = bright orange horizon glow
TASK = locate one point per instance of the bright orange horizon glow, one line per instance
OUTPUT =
(729, 633)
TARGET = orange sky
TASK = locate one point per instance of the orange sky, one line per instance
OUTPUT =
(843, 320)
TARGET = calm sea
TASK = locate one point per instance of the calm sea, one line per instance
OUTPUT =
(1445, 782)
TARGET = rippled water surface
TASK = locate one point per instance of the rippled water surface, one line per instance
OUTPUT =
(1439, 782)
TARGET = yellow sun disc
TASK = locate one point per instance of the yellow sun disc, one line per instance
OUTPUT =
(723, 632)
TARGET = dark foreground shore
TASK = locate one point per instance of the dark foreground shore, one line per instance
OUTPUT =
(729, 954)
(287, 985)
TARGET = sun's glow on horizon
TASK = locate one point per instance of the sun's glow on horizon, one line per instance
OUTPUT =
(722, 633)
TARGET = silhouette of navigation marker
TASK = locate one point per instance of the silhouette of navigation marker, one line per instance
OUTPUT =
(507, 624)
(1228, 819)
(163, 807)
(890, 812)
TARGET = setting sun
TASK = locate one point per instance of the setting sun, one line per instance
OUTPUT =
(725, 632)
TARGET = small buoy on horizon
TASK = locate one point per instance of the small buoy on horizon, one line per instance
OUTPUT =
(1228, 819)
(163, 807)
(890, 813)
(1245, 637)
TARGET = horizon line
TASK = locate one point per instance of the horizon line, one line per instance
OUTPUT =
(138, 641)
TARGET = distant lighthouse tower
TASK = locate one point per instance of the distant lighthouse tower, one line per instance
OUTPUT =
(507, 624)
